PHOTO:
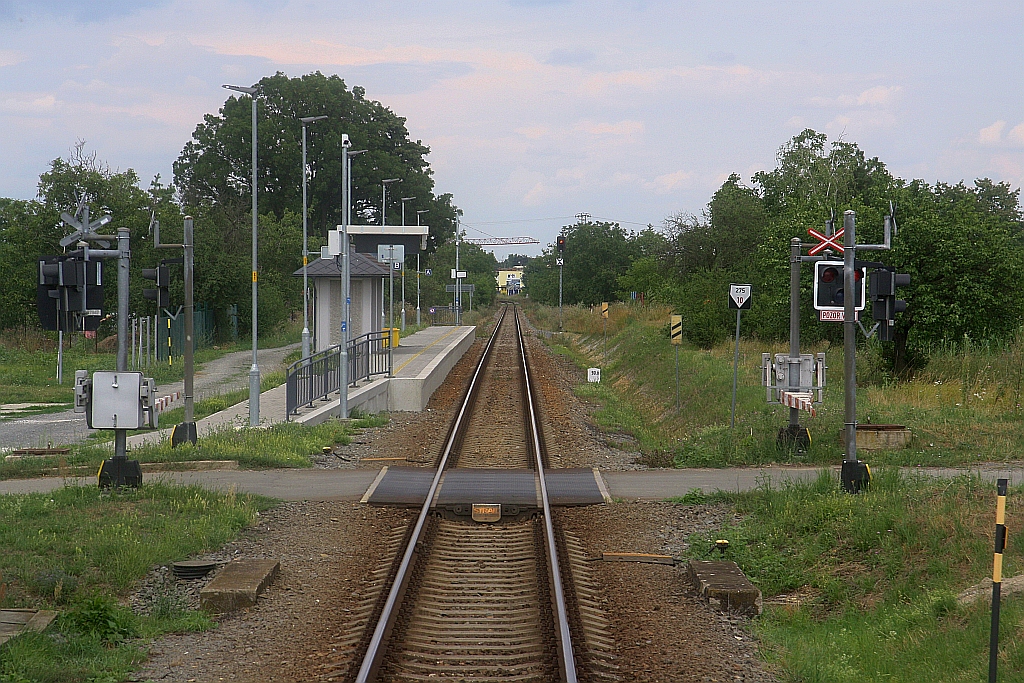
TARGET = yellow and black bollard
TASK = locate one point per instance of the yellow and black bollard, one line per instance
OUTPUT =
(997, 577)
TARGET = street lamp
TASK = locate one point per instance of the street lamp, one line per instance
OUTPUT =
(419, 213)
(346, 278)
(254, 371)
(384, 198)
(306, 120)
(391, 270)
(404, 200)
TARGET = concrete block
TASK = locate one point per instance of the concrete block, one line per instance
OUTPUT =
(370, 398)
(879, 437)
(413, 393)
(724, 584)
(238, 585)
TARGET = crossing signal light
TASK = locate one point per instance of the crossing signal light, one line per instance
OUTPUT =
(830, 288)
(884, 304)
(48, 295)
(69, 293)
(561, 243)
(161, 276)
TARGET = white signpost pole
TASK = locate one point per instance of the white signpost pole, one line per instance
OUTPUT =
(739, 298)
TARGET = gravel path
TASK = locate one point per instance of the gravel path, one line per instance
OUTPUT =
(230, 371)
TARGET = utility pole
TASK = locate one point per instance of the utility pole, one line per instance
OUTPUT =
(306, 120)
(850, 336)
(458, 280)
(418, 214)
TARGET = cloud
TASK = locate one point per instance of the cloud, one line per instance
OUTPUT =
(622, 128)
(878, 96)
(90, 11)
(669, 182)
(10, 58)
(575, 57)
(1016, 136)
(29, 105)
(991, 135)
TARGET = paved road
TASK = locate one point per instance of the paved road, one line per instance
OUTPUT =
(350, 484)
(230, 371)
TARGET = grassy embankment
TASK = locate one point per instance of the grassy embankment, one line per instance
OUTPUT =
(964, 407)
(875, 577)
(28, 363)
(78, 550)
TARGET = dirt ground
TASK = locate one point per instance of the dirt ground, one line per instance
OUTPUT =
(327, 551)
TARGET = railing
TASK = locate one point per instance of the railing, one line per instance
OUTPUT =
(443, 315)
(316, 377)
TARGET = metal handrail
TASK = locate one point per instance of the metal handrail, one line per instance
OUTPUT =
(319, 375)
(374, 651)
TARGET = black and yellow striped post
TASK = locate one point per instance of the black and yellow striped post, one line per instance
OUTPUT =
(676, 328)
(997, 577)
(170, 361)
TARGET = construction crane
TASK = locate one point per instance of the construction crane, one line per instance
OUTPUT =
(498, 241)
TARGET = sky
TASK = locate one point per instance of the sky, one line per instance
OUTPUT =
(536, 110)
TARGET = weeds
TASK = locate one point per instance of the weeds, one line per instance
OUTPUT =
(879, 572)
(963, 407)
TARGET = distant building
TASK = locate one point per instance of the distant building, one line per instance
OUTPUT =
(510, 280)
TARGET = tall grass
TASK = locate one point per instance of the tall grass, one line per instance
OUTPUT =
(879, 573)
(964, 407)
(76, 547)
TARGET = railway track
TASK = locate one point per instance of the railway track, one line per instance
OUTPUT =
(484, 602)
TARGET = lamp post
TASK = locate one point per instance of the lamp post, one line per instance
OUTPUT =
(404, 200)
(346, 280)
(306, 120)
(391, 265)
(418, 214)
(254, 371)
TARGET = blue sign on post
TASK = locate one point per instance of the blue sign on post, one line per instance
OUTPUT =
(428, 272)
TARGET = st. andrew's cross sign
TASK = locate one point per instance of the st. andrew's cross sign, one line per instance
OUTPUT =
(826, 242)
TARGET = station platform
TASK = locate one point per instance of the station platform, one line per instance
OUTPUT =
(422, 361)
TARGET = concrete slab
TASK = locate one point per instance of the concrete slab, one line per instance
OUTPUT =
(724, 585)
(16, 621)
(422, 372)
(238, 585)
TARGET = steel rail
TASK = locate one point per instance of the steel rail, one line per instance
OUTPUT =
(568, 662)
(371, 661)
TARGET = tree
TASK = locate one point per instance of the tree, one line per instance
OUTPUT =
(596, 255)
(214, 168)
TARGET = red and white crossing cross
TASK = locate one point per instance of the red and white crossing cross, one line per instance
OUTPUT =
(826, 242)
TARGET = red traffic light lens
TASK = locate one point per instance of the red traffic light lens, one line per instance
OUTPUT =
(829, 275)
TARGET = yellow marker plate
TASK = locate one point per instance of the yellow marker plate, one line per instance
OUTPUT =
(486, 512)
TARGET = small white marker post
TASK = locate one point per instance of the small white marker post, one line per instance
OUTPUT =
(739, 298)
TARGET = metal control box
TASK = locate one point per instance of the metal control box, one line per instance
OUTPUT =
(116, 400)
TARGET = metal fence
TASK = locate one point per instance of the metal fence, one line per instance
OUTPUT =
(443, 315)
(316, 377)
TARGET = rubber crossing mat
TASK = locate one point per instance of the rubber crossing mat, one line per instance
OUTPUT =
(478, 485)
(576, 486)
(408, 486)
(402, 486)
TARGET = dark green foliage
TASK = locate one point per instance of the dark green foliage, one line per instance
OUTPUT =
(596, 255)
(214, 170)
(961, 245)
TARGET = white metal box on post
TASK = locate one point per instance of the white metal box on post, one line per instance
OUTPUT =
(116, 400)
